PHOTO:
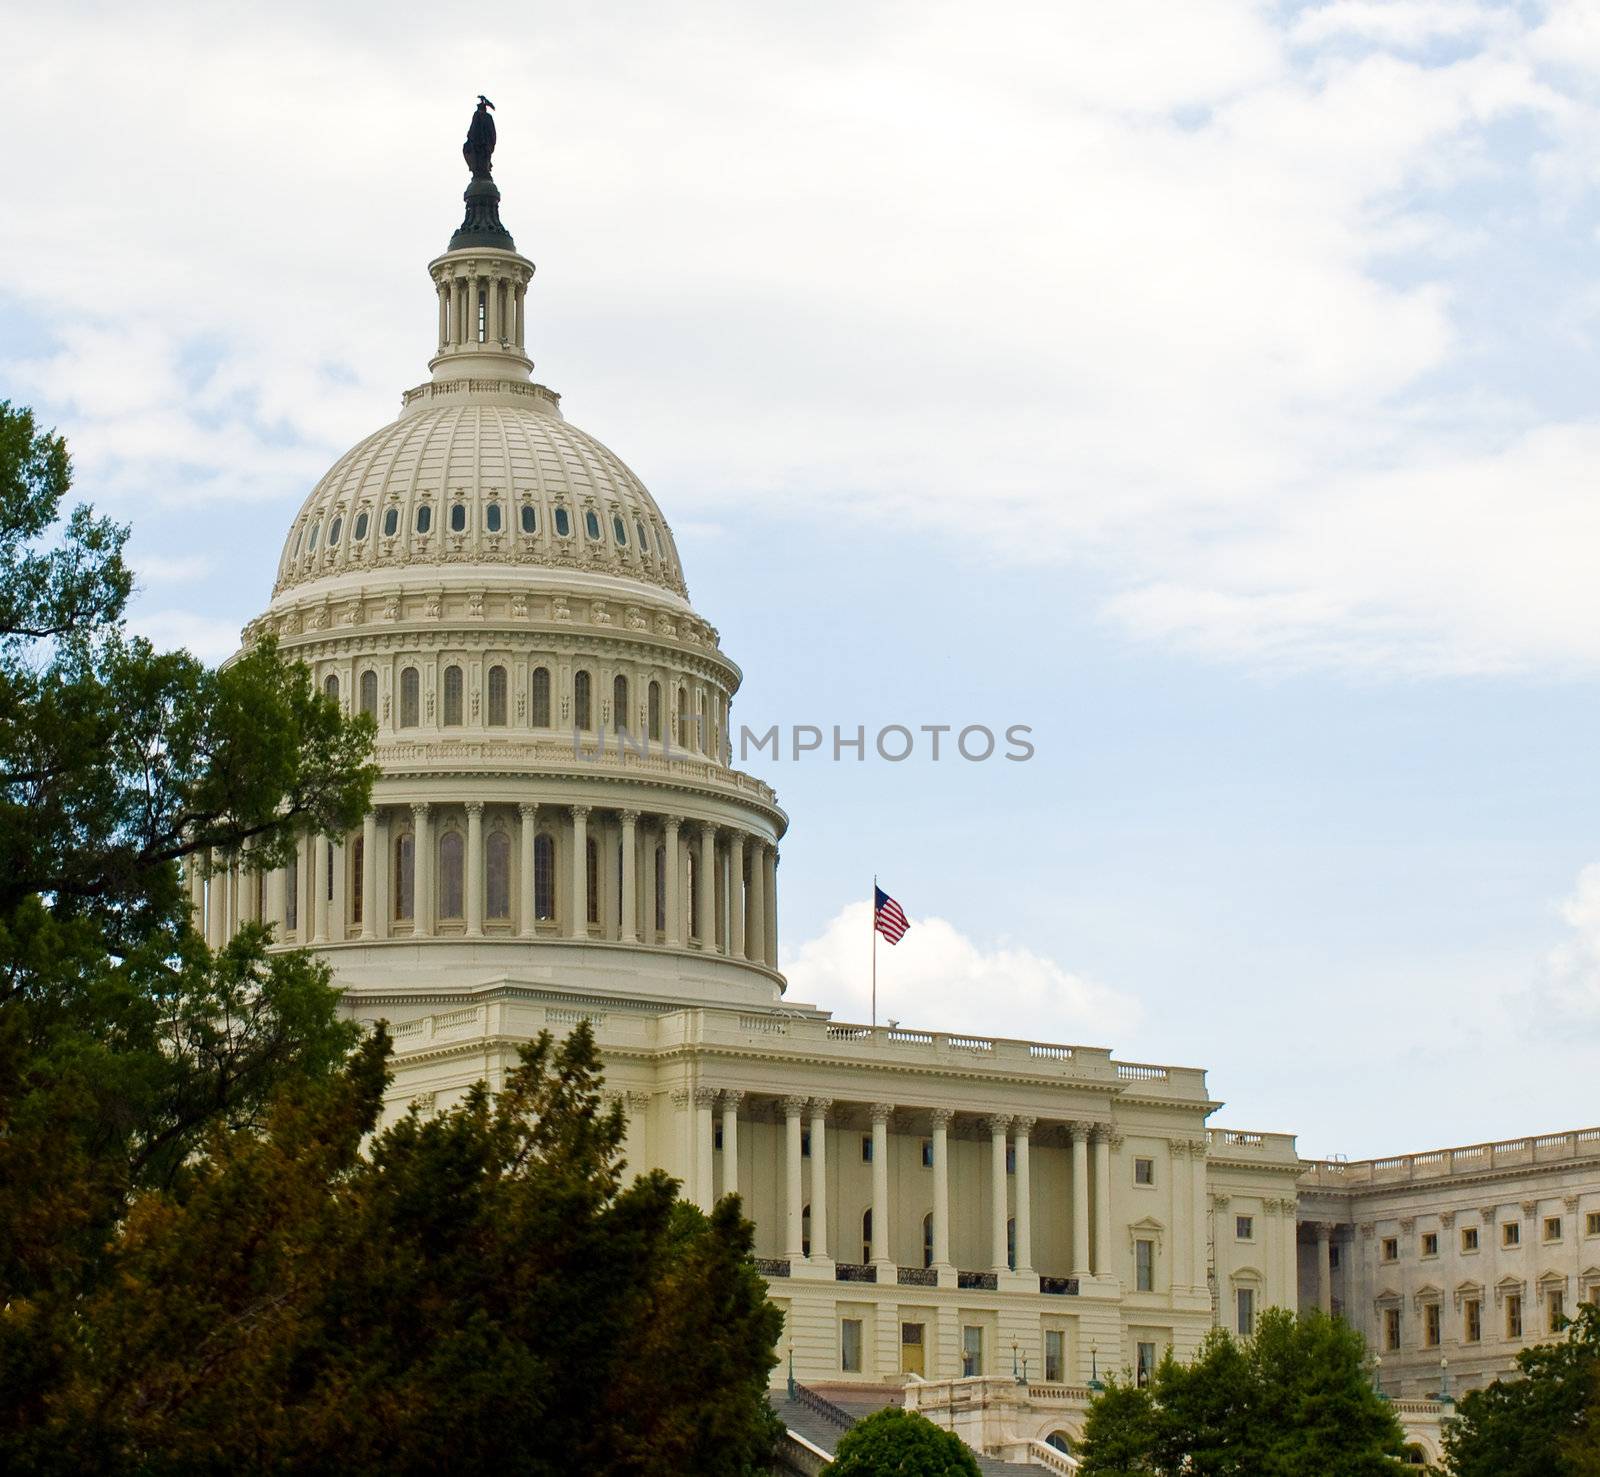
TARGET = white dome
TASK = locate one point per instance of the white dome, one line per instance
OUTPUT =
(480, 475)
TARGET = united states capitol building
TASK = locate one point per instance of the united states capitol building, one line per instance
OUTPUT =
(948, 1212)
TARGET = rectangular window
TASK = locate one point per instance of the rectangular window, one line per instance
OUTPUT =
(1144, 1171)
(1555, 1311)
(1391, 1328)
(805, 1143)
(1391, 1249)
(850, 1345)
(716, 1137)
(1146, 1364)
(1144, 1266)
(866, 1148)
(971, 1351)
(1511, 1234)
(1591, 1223)
(1333, 1256)
(1055, 1356)
(1011, 1158)
(1552, 1228)
(1430, 1325)
(1430, 1243)
(1244, 1227)
(1471, 1321)
(1469, 1239)
(1245, 1306)
(927, 1153)
(1514, 1315)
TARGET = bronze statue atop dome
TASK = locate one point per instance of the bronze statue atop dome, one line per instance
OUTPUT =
(478, 150)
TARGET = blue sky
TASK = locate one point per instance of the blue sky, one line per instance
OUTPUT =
(1209, 386)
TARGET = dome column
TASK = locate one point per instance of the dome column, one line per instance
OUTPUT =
(770, 868)
(580, 872)
(756, 927)
(320, 860)
(530, 832)
(277, 900)
(380, 867)
(369, 874)
(630, 880)
(706, 875)
(736, 898)
(474, 869)
(674, 938)
(421, 871)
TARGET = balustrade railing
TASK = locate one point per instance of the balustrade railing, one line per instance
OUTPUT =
(978, 1281)
(1059, 1286)
(772, 1266)
(854, 1272)
(917, 1277)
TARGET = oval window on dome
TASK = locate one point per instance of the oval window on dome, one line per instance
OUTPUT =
(620, 529)
(334, 530)
(458, 517)
(299, 539)
(591, 523)
(644, 542)
(391, 522)
(530, 518)
(311, 548)
(491, 517)
(563, 523)
(424, 518)
(359, 532)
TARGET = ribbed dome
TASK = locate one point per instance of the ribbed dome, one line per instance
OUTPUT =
(482, 475)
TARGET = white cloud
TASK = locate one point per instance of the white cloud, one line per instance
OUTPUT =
(1572, 981)
(172, 629)
(936, 978)
(1107, 286)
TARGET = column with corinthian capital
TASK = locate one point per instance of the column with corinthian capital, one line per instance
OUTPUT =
(1080, 1198)
(999, 1253)
(794, 1237)
(940, 1119)
(882, 1243)
(630, 877)
(580, 872)
(819, 1178)
(474, 878)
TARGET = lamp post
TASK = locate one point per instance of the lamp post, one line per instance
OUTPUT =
(1444, 1382)
(1094, 1368)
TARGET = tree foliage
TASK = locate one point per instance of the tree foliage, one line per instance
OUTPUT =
(901, 1443)
(1293, 1399)
(1543, 1423)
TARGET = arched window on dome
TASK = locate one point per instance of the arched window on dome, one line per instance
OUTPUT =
(644, 543)
(410, 704)
(452, 697)
(581, 704)
(405, 877)
(334, 530)
(391, 522)
(563, 522)
(299, 539)
(497, 697)
(358, 876)
(458, 517)
(544, 877)
(311, 548)
(330, 686)
(591, 524)
(591, 867)
(927, 1239)
(619, 530)
(491, 517)
(452, 868)
(683, 718)
(359, 532)
(497, 876)
(369, 693)
(541, 697)
(653, 714)
(424, 518)
(619, 704)
(703, 734)
(661, 889)
(530, 518)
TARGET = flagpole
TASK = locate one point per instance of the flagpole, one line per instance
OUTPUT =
(874, 916)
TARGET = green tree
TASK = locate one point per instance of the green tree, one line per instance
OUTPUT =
(1293, 1399)
(1543, 1423)
(901, 1443)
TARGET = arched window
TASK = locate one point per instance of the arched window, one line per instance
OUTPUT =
(452, 697)
(391, 522)
(497, 875)
(805, 1231)
(544, 877)
(530, 518)
(591, 523)
(491, 517)
(620, 530)
(458, 517)
(654, 716)
(409, 701)
(927, 1239)
(359, 532)
(369, 693)
(291, 893)
(701, 734)
(683, 718)
(619, 703)
(592, 879)
(330, 686)
(580, 701)
(541, 697)
(334, 530)
(563, 523)
(644, 543)
(424, 518)
(405, 877)
(866, 1235)
(452, 869)
(1061, 1441)
(358, 868)
(311, 547)
(661, 888)
(497, 697)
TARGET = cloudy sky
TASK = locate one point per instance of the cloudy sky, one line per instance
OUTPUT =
(1209, 385)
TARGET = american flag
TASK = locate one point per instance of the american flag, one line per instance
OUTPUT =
(888, 916)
